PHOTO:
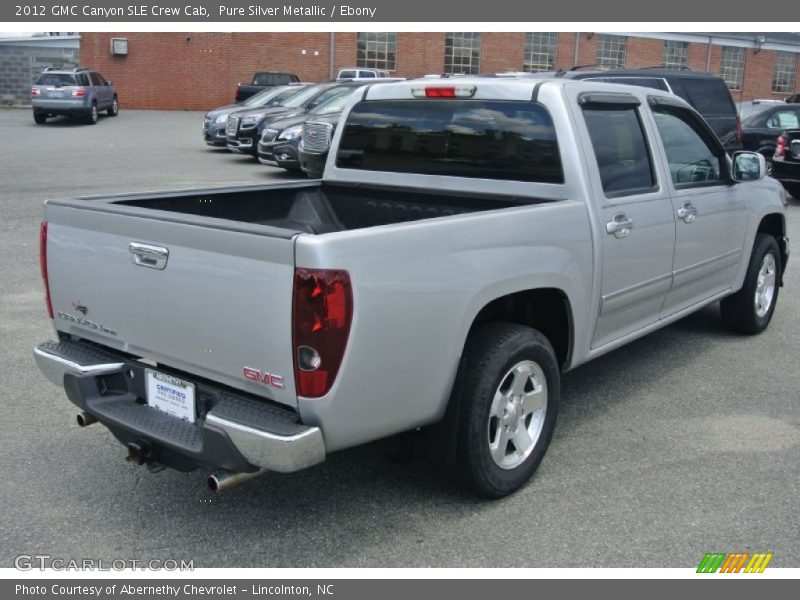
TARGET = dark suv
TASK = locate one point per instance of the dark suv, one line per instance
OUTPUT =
(76, 92)
(707, 93)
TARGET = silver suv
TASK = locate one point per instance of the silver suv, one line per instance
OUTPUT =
(76, 92)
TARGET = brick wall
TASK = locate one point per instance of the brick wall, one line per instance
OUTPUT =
(21, 65)
(165, 70)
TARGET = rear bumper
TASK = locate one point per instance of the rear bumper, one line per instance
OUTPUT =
(232, 431)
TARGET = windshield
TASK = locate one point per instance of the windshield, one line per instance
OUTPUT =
(301, 99)
(333, 104)
(264, 96)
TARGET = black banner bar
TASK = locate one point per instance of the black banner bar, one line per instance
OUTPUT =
(209, 11)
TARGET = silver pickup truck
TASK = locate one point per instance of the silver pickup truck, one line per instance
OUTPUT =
(471, 239)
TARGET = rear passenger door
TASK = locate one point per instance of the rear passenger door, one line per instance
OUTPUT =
(711, 217)
(637, 228)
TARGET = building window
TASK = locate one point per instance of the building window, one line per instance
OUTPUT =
(462, 53)
(732, 69)
(540, 52)
(675, 55)
(611, 50)
(377, 50)
(785, 66)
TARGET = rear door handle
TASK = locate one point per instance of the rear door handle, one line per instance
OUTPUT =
(145, 255)
(687, 212)
(620, 225)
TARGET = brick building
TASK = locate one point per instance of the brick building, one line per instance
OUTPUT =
(201, 70)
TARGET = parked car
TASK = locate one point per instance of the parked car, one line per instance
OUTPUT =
(215, 120)
(786, 162)
(466, 246)
(312, 151)
(751, 107)
(277, 146)
(362, 73)
(706, 93)
(75, 92)
(262, 80)
(244, 128)
(760, 131)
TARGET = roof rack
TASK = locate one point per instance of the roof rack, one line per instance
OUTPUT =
(670, 68)
(599, 67)
(75, 69)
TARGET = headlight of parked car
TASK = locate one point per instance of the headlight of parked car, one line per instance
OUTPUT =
(291, 133)
(221, 119)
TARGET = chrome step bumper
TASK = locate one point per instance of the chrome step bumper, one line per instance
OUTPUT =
(238, 433)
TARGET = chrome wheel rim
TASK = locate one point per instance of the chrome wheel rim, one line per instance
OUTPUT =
(516, 417)
(765, 285)
(115, 107)
(94, 113)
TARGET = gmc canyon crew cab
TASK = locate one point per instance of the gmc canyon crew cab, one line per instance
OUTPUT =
(469, 241)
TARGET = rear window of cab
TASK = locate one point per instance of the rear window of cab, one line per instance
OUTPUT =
(506, 140)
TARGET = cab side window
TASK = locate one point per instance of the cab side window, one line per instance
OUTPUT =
(694, 159)
(623, 157)
(784, 119)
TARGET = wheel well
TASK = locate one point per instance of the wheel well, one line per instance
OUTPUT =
(775, 226)
(547, 310)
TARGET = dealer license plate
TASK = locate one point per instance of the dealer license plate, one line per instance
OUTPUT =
(171, 395)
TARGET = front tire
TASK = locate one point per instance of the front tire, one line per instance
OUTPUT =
(750, 309)
(508, 390)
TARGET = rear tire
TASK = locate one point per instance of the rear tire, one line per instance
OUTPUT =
(40, 118)
(750, 309)
(113, 110)
(793, 189)
(508, 390)
(92, 117)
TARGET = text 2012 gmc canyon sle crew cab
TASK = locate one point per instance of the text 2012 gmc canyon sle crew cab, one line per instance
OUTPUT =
(469, 241)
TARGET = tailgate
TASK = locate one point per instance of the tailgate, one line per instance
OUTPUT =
(220, 308)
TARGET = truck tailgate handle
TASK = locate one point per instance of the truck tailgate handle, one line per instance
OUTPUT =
(145, 255)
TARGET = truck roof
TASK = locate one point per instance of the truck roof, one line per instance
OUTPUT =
(517, 87)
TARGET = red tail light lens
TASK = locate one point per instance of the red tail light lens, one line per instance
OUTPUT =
(780, 150)
(43, 266)
(322, 311)
(440, 92)
(739, 132)
(80, 92)
(35, 91)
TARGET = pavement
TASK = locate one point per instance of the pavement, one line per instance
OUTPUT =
(684, 442)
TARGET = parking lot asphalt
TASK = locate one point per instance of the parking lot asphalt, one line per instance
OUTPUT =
(684, 442)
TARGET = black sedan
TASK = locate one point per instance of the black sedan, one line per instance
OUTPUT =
(278, 144)
(760, 131)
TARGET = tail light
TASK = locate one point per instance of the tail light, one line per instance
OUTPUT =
(739, 132)
(322, 310)
(780, 149)
(80, 92)
(43, 266)
(35, 91)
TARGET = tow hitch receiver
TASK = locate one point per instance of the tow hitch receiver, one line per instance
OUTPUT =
(138, 453)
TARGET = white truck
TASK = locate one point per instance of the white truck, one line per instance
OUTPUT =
(470, 241)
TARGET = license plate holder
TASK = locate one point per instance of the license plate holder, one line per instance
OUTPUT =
(170, 395)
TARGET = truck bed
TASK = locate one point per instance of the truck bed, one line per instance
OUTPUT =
(320, 208)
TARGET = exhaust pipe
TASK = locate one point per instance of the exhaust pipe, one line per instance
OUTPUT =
(225, 480)
(84, 419)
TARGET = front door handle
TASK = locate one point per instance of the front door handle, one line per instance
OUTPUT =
(620, 225)
(145, 255)
(687, 212)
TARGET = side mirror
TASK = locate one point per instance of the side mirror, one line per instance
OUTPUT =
(749, 166)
